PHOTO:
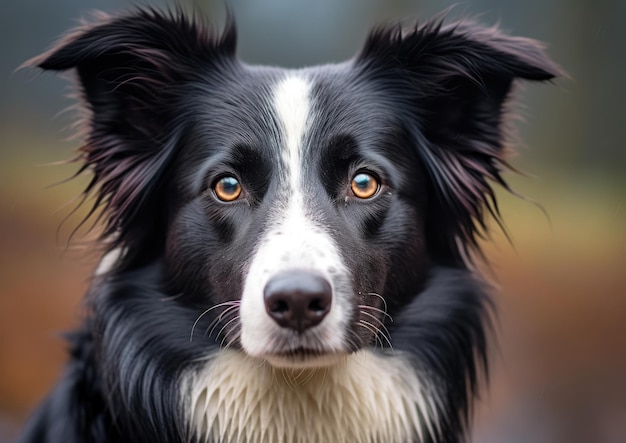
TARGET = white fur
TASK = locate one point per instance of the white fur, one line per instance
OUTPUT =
(292, 106)
(366, 398)
(108, 261)
(295, 239)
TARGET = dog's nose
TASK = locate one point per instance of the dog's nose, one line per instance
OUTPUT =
(297, 300)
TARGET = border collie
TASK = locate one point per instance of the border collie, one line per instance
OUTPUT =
(288, 251)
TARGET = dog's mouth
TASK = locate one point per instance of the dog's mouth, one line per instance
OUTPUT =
(301, 353)
(302, 357)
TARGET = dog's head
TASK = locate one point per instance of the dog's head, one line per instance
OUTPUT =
(301, 204)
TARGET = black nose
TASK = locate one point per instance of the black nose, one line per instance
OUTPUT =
(298, 300)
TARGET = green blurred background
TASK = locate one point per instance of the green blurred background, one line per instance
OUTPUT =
(560, 364)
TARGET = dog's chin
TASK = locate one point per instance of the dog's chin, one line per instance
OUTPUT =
(302, 358)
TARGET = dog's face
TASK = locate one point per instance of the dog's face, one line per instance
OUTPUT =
(294, 199)
(296, 209)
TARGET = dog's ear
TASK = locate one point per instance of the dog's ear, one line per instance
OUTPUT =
(457, 79)
(130, 71)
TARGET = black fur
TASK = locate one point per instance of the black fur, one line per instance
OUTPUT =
(168, 107)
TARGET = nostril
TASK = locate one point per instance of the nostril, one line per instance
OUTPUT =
(279, 306)
(318, 306)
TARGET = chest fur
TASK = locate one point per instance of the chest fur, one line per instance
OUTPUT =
(366, 398)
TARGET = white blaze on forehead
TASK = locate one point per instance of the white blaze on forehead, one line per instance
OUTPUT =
(292, 105)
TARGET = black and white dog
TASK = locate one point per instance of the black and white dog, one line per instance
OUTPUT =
(287, 249)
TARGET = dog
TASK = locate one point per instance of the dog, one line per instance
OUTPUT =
(289, 252)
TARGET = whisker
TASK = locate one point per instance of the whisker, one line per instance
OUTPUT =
(225, 326)
(379, 296)
(374, 308)
(373, 330)
(382, 328)
(380, 333)
(235, 337)
(230, 302)
(216, 321)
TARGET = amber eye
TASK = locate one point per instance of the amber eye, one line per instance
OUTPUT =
(364, 185)
(227, 188)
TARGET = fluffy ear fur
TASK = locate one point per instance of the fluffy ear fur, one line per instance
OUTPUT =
(459, 78)
(128, 70)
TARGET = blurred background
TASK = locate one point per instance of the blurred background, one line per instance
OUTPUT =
(560, 364)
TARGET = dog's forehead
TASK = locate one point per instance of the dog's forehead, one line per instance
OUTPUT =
(291, 119)
(264, 101)
(311, 108)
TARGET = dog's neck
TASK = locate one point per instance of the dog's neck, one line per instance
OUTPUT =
(367, 397)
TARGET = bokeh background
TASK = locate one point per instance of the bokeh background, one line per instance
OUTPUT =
(560, 364)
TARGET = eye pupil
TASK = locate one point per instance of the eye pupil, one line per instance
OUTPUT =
(364, 185)
(362, 181)
(227, 188)
(229, 184)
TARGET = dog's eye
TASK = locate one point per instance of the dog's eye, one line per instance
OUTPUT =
(227, 188)
(364, 185)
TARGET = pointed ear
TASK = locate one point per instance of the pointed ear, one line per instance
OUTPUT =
(459, 78)
(130, 63)
(130, 72)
